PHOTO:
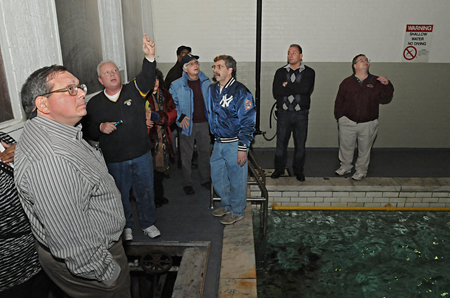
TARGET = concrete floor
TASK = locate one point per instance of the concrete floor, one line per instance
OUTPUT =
(322, 162)
(188, 218)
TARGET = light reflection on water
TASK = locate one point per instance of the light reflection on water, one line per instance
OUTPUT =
(350, 254)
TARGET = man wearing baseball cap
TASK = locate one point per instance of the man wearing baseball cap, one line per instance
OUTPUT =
(189, 93)
(177, 70)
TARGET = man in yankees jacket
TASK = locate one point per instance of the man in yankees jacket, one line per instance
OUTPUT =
(231, 115)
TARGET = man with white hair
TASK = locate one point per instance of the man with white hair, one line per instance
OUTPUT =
(116, 118)
(189, 93)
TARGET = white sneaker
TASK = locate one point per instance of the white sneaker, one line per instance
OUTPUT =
(127, 234)
(341, 171)
(359, 176)
(152, 231)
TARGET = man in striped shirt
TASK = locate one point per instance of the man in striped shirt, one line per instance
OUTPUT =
(73, 204)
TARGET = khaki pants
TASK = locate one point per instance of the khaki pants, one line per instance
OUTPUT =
(75, 286)
(352, 134)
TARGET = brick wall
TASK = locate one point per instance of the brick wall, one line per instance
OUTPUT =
(370, 192)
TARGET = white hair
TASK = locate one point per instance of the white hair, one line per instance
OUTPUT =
(185, 65)
(101, 63)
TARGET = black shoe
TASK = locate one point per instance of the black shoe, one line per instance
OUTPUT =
(160, 201)
(188, 190)
(276, 174)
(300, 177)
(207, 185)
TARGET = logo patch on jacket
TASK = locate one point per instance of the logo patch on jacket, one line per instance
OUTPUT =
(127, 102)
(248, 104)
(370, 85)
(225, 102)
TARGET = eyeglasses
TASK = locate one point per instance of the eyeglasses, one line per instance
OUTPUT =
(194, 63)
(362, 60)
(72, 89)
(219, 67)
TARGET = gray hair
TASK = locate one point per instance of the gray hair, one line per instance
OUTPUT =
(185, 65)
(103, 62)
(229, 63)
(36, 85)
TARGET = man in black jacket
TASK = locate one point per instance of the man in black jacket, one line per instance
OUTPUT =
(177, 70)
(116, 118)
(292, 88)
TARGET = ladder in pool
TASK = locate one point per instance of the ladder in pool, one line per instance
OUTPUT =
(256, 177)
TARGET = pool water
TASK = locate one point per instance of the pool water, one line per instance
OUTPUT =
(353, 254)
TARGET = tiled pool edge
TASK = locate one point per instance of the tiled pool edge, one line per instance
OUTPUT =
(238, 267)
(370, 192)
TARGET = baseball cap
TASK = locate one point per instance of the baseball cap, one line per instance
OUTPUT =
(181, 48)
(188, 58)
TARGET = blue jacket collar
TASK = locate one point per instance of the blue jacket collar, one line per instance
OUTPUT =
(201, 76)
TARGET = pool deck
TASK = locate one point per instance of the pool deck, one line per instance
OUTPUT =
(238, 269)
(188, 219)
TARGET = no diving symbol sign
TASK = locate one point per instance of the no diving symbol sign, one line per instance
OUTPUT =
(410, 53)
(416, 47)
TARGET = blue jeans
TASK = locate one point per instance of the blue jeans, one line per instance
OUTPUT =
(229, 178)
(297, 123)
(136, 174)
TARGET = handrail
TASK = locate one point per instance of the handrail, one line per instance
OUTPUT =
(258, 173)
(260, 178)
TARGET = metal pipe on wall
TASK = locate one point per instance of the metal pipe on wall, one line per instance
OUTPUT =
(258, 66)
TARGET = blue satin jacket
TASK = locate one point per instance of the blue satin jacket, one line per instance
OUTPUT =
(231, 113)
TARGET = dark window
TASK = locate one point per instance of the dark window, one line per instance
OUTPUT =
(6, 112)
(132, 24)
(81, 47)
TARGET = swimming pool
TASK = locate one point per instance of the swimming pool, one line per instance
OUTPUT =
(354, 254)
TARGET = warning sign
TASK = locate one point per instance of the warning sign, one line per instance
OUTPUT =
(416, 47)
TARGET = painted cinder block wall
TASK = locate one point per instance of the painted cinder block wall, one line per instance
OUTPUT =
(331, 34)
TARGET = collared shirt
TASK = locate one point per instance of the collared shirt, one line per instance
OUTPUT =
(300, 68)
(73, 204)
(369, 77)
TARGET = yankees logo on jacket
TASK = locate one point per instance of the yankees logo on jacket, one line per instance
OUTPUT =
(231, 113)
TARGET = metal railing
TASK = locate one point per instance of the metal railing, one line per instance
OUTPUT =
(256, 177)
